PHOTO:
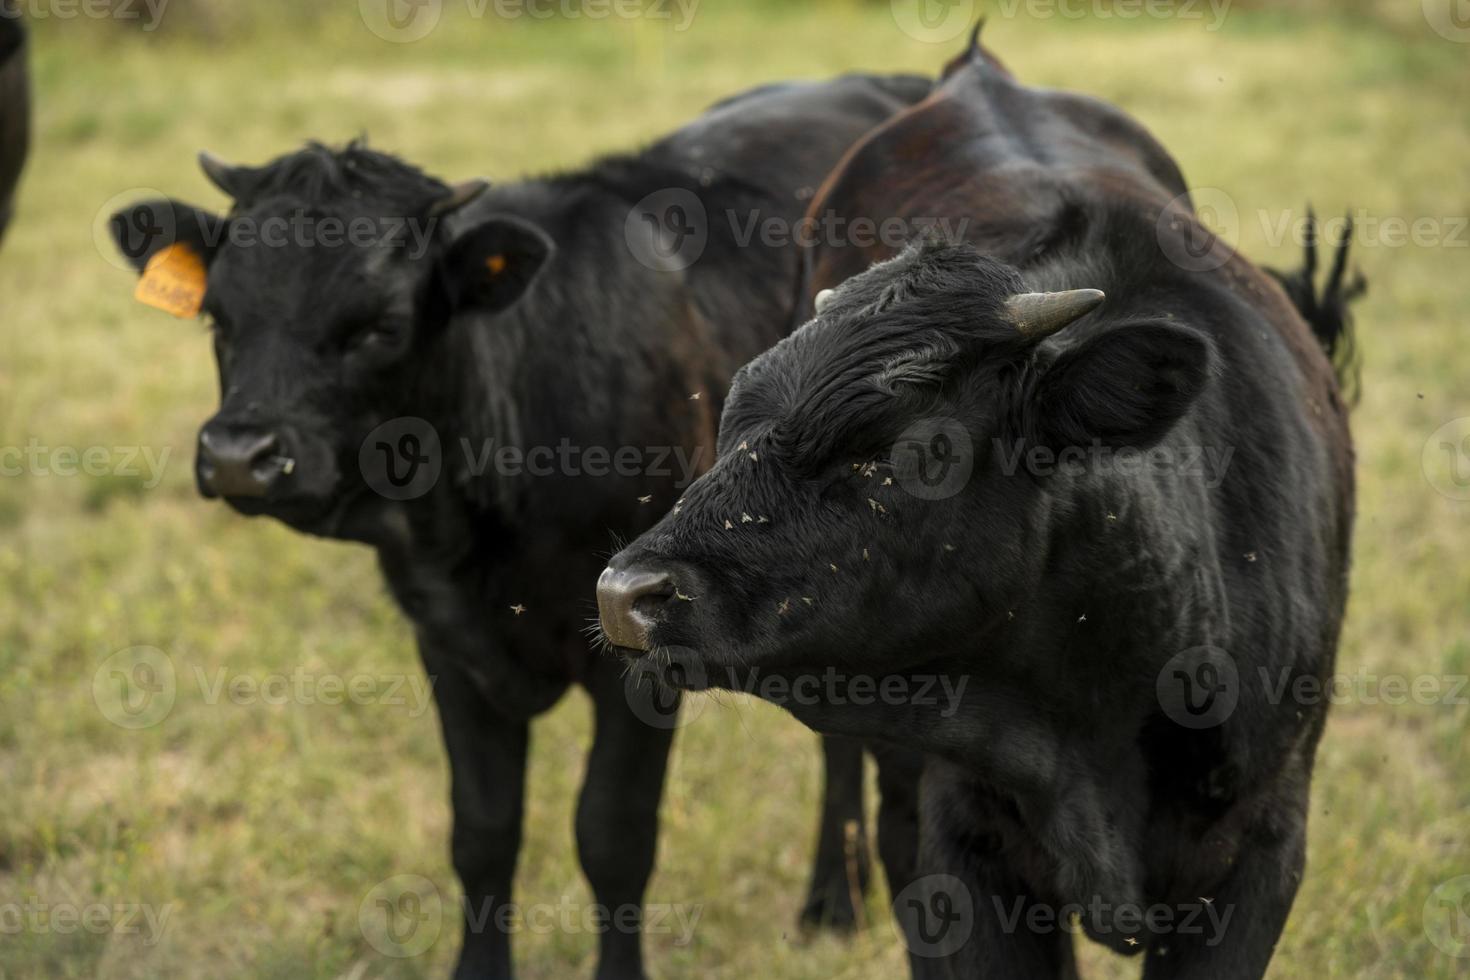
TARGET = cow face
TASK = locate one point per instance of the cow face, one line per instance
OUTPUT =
(819, 537)
(329, 287)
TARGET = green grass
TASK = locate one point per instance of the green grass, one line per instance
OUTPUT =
(261, 828)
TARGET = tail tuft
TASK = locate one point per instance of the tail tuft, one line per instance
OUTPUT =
(1329, 312)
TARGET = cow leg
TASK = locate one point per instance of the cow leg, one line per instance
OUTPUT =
(899, 771)
(966, 916)
(617, 814)
(841, 870)
(1257, 897)
(487, 764)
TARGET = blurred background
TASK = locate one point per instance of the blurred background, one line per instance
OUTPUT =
(232, 823)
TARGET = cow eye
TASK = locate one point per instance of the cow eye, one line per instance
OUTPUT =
(373, 336)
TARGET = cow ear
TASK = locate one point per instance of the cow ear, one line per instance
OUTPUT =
(1125, 387)
(491, 266)
(144, 230)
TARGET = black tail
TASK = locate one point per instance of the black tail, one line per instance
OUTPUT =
(1328, 312)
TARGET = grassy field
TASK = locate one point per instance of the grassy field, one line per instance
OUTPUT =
(236, 836)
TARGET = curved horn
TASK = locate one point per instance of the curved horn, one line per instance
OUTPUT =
(1039, 315)
(823, 298)
(226, 176)
(459, 195)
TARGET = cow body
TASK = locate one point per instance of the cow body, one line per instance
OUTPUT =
(537, 323)
(15, 108)
(1121, 633)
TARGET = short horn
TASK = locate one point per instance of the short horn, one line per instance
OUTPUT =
(1039, 315)
(459, 195)
(226, 176)
(823, 298)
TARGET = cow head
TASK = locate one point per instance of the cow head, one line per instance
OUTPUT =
(328, 285)
(816, 541)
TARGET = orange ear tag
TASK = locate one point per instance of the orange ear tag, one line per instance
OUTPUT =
(174, 282)
(496, 264)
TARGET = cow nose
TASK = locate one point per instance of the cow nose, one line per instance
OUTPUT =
(239, 462)
(628, 600)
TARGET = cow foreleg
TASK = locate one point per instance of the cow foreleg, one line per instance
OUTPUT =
(1236, 934)
(617, 814)
(487, 763)
(969, 915)
(841, 869)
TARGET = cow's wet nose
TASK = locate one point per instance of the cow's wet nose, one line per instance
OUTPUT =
(239, 462)
(629, 600)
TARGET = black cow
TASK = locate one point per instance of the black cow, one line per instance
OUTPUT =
(371, 387)
(15, 108)
(944, 478)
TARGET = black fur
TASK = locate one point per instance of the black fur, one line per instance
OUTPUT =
(526, 322)
(1071, 599)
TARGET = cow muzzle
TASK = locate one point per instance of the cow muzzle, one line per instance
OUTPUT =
(240, 461)
(629, 601)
